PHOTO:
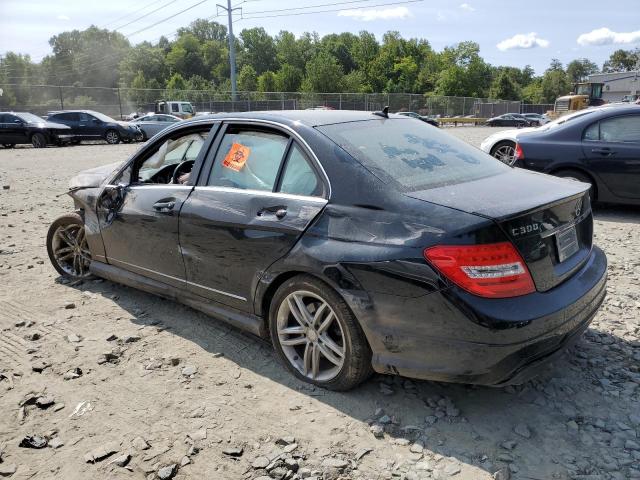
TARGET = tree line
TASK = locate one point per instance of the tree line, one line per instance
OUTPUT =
(197, 59)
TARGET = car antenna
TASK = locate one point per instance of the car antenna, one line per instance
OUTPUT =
(384, 113)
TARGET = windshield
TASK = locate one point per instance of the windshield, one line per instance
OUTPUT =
(186, 107)
(102, 116)
(411, 154)
(29, 117)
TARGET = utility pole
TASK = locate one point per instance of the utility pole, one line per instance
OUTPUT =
(232, 47)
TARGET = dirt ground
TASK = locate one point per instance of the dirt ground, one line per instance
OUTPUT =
(163, 391)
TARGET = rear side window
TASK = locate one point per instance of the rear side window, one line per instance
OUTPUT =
(248, 159)
(412, 155)
(299, 177)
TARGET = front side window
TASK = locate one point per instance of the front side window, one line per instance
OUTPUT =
(175, 107)
(248, 159)
(412, 155)
(159, 167)
(592, 132)
(186, 107)
(621, 129)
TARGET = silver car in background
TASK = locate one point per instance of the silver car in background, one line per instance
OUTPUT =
(153, 123)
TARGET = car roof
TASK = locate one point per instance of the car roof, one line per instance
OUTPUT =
(312, 118)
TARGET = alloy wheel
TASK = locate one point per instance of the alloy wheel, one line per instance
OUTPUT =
(112, 137)
(311, 336)
(71, 250)
(506, 154)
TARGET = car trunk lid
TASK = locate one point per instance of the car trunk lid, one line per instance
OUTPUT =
(548, 219)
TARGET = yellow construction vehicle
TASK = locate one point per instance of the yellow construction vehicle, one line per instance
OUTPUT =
(584, 94)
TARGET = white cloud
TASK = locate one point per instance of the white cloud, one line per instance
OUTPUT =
(63, 17)
(467, 8)
(376, 14)
(604, 36)
(521, 41)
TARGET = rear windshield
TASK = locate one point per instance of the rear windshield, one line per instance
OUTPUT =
(412, 154)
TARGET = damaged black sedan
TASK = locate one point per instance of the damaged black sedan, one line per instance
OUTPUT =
(357, 242)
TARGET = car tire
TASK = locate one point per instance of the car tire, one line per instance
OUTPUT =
(8, 145)
(505, 152)
(330, 351)
(67, 247)
(580, 177)
(75, 142)
(112, 137)
(38, 140)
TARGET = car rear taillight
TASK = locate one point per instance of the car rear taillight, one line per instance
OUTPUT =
(494, 270)
(519, 154)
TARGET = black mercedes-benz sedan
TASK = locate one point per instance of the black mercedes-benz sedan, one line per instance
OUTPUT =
(355, 241)
(24, 128)
(600, 146)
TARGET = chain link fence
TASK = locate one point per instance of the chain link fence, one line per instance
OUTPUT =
(120, 102)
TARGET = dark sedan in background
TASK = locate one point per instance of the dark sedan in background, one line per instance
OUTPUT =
(22, 127)
(511, 120)
(355, 241)
(90, 125)
(153, 123)
(599, 146)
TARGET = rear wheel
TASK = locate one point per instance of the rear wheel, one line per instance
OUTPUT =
(316, 336)
(580, 177)
(505, 152)
(38, 140)
(68, 248)
(8, 145)
(112, 137)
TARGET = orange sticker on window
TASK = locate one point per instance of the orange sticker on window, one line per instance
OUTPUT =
(237, 157)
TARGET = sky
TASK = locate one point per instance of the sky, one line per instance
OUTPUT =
(515, 33)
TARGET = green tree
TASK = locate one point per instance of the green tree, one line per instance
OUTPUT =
(504, 87)
(267, 82)
(288, 78)
(554, 82)
(324, 74)
(622, 61)
(579, 70)
(176, 82)
(247, 79)
(259, 50)
(205, 30)
(186, 57)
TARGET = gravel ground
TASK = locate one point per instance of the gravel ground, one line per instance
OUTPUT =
(121, 384)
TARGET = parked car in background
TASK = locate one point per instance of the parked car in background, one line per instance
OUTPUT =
(355, 241)
(509, 120)
(601, 147)
(180, 109)
(540, 119)
(502, 145)
(424, 118)
(23, 127)
(90, 125)
(153, 123)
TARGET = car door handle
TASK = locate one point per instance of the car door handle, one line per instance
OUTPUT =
(603, 151)
(279, 211)
(164, 207)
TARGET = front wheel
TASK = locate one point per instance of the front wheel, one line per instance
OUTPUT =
(505, 152)
(316, 336)
(38, 140)
(68, 248)
(112, 137)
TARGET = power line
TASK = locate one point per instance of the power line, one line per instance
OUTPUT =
(146, 14)
(127, 14)
(313, 6)
(327, 11)
(167, 18)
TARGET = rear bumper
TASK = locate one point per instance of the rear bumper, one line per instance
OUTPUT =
(453, 336)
